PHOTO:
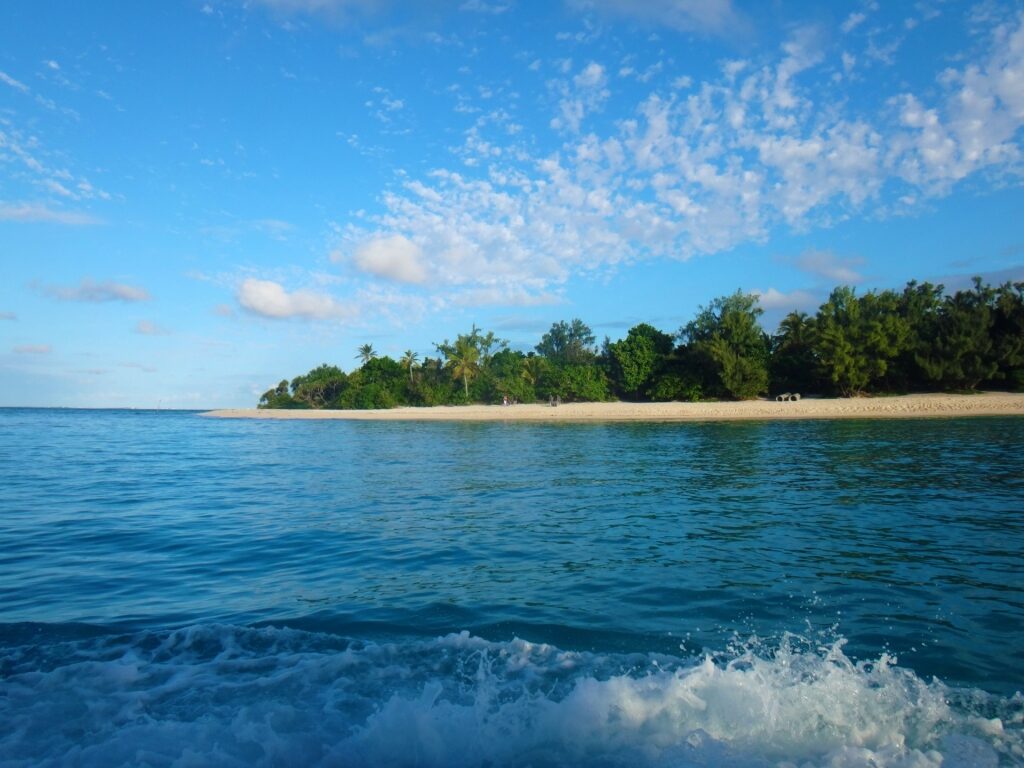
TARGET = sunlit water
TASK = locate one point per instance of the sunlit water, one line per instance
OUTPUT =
(182, 591)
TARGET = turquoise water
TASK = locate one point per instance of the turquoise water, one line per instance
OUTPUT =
(182, 591)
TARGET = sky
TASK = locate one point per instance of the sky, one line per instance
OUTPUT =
(201, 198)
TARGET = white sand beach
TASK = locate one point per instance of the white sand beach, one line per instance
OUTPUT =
(896, 407)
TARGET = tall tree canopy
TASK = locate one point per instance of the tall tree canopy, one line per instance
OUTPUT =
(727, 335)
(569, 343)
(636, 359)
(858, 338)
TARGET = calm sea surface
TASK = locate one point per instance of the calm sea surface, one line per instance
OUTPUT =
(176, 590)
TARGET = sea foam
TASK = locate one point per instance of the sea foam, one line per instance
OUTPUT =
(226, 695)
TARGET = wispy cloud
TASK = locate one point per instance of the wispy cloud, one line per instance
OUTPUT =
(15, 84)
(479, 6)
(33, 349)
(853, 21)
(146, 328)
(830, 266)
(276, 229)
(138, 367)
(585, 93)
(714, 17)
(333, 10)
(766, 147)
(35, 213)
(23, 151)
(92, 292)
(8, 316)
(964, 280)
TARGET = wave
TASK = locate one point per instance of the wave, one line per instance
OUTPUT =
(241, 696)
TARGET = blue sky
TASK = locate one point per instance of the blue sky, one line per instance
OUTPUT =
(198, 199)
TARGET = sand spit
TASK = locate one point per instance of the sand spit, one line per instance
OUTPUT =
(898, 407)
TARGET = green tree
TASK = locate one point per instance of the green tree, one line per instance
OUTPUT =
(569, 343)
(575, 383)
(921, 307)
(793, 366)
(1008, 333)
(408, 361)
(532, 369)
(470, 356)
(729, 344)
(486, 342)
(858, 338)
(320, 386)
(505, 378)
(960, 352)
(635, 360)
(366, 353)
(464, 360)
(434, 384)
(278, 397)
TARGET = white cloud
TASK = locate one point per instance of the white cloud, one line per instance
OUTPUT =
(269, 299)
(392, 257)
(826, 264)
(35, 213)
(853, 21)
(586, 94)
(766, 145)
(592, 76)
(772, 299)
(33, 349)
(16, 84)
(977, 125)
(90, 291)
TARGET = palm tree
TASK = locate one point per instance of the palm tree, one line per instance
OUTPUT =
(409, 360)
(465, 361)
(533, 366)
(366, 353)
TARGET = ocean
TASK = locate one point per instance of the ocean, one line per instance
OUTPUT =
(183, 591)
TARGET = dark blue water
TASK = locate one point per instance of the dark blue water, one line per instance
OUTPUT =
(181, 590)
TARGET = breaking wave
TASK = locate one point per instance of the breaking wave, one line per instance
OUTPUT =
(239, 696)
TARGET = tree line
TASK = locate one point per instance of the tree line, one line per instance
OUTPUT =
(919, 340)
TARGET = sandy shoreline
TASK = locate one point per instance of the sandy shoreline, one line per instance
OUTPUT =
(899, 407)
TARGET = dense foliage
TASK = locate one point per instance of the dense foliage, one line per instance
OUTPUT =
(922, 339)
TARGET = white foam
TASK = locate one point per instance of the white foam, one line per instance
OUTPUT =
(237, 696)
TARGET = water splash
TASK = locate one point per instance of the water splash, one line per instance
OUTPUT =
(215, 694)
